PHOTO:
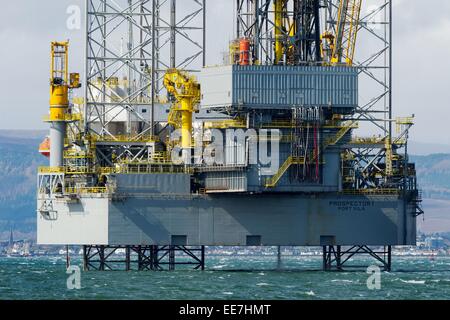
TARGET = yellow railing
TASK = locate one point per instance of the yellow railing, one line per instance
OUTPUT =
(145, 169)
(224, 124)
(47, 170)
(80, 170)
(124, 138)
(67, 117)
(346, 127)
(75, 154)
(130, 168)
(372, 192)
(86, 190)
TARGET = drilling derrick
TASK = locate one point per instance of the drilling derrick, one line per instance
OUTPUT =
(164, 155)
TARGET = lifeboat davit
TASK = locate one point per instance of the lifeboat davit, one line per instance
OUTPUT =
(44, 147)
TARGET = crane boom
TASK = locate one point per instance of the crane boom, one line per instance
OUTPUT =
(347, 26)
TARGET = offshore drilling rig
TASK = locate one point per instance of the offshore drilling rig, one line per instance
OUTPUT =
(164, 155)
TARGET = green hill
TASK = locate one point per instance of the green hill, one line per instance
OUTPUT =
(19, 160)
(433, 173)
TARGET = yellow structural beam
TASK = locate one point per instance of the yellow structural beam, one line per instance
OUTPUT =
(343, 44)
(279, 13)
(273, 181)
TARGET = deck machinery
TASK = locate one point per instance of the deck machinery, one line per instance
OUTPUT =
(259, 151)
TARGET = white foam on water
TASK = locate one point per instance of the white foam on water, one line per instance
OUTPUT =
(413, 281)
(310, 293)
(342, 280)
(262, 284)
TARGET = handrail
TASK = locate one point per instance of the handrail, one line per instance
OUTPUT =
(382, 191)
(273, 181)
(85, 190)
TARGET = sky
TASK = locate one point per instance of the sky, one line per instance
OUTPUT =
(421, 47)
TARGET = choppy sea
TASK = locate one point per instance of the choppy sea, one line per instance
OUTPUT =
(227, 278)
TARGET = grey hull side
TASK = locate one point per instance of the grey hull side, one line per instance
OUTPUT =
(233, 220)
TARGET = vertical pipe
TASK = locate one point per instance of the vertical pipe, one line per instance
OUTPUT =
(173, 24)
(104, 64)
(256, 33)
(317, 31)
(57, 135)
(390, 70)
(204, 34)
(86, 67)
(157, 48)
(278, 12)
(238, 23)
(130, 49)
(143, 62)
(153, 77)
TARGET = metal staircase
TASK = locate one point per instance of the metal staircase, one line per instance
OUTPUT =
(273, 181)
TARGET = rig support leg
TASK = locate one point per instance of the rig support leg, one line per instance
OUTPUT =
(203, 259)
(101, 253)
(171, 258)
(154, 258)
(389, 259)
(127, 258)
(85, 259)
(337, 258)
(139, 259)
(67, 257)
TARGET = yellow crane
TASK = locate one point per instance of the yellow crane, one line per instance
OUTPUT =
(343, 43)
(61, 82)
(186, 91)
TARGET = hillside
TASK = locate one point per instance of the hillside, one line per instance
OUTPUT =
(433, 173)
(19, 160)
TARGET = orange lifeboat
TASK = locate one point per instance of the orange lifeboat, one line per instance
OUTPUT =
(44, 147)
(244, 48)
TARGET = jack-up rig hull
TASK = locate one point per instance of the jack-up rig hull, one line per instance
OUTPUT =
(232, 220)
